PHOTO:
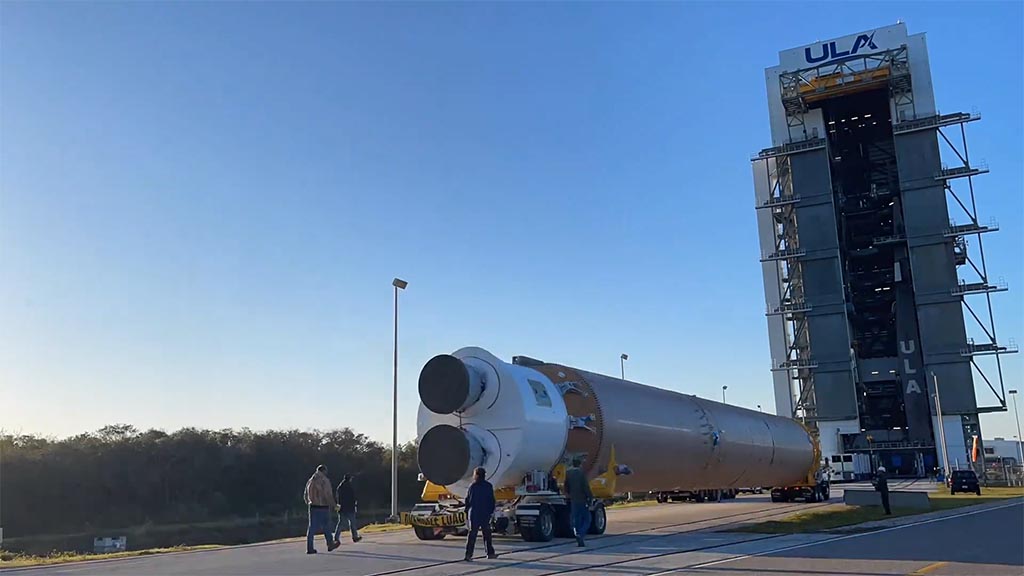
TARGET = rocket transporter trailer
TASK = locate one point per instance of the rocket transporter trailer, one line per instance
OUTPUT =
(524, 421)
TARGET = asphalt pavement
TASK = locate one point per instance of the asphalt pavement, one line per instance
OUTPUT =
(667, 539)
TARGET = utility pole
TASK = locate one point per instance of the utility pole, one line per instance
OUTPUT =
(399, 284)
(942, 429)
(1020, 441)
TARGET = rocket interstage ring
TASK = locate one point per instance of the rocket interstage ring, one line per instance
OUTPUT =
(580, 402)
(447, 384)
(448, 454)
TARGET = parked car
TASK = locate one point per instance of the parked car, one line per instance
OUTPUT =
(963, 481)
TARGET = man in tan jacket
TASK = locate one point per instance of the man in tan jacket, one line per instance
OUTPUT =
(319, 498)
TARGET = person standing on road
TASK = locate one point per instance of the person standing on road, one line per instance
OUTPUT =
(346, 497)
(882, 486)
(480, 503)
(577, 488)
(320, 499)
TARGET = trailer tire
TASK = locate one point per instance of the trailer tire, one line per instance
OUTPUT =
(424, 533)
(598, 520)
(543, 530)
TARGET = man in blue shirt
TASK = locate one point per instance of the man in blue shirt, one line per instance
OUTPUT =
(480, 504)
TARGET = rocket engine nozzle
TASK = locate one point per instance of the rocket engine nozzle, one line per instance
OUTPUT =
(448, 454)
(447, 384)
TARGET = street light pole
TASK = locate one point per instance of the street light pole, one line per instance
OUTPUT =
(942, 429)
(399, 285)
(724, 388)
(622, 371)
(1020, 442)
(759, 408)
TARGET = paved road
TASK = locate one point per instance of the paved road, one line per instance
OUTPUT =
(666, 539)
(398, 553)
(969, 543)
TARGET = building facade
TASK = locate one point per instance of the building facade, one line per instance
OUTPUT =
(872, 255)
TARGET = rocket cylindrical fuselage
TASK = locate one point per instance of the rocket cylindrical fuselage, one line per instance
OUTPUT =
(513, 419)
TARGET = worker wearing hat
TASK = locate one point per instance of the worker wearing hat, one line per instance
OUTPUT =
(882, 486)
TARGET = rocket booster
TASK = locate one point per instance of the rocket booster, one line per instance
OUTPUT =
(516, 418)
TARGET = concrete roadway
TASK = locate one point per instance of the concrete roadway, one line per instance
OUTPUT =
(665, 539)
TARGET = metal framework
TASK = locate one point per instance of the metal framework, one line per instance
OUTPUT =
(978, 281)
(786, 255)
(846, 76)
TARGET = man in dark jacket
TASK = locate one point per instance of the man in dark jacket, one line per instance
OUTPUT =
(480, 503)
(346, 509)
(882, 486)
(577, 488)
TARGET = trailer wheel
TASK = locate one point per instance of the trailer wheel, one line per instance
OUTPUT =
(543, 529)
(424, 533)
(598, 520)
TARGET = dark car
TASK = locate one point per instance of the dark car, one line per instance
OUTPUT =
(964, 481)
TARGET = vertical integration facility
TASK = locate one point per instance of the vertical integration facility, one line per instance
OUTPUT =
(872, 254)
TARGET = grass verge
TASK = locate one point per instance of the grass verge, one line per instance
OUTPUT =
(17, 560)
(840, 515)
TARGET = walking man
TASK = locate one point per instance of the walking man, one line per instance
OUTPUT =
(577, 488)
(480, 503)
(346, 509)
(882, 486)
(320, 500)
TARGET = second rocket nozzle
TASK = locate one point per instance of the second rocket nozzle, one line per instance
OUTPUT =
(448, 454)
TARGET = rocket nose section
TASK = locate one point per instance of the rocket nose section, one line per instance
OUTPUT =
(448, 454)
(448, 385)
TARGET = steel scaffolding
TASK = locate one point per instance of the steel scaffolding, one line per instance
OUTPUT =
(979, 282)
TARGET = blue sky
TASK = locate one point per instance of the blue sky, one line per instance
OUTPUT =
(202, 206)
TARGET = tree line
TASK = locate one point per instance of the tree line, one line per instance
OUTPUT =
(119, 477)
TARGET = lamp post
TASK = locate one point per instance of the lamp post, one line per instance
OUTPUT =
(942, 429)
(724, 388)
(759, 408)
(399, 284)
(1020, 445)
(622, 364)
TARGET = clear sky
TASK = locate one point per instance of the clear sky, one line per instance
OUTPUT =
(202, 205)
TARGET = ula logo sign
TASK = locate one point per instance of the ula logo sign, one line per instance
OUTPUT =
(829, 51)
